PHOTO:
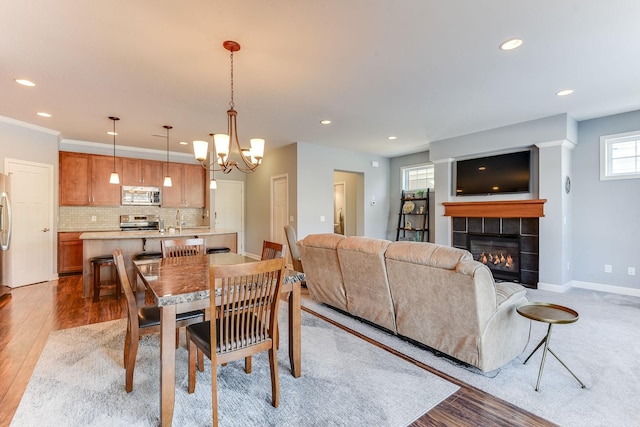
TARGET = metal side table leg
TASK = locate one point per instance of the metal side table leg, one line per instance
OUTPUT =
(567, 368)
(544, 356)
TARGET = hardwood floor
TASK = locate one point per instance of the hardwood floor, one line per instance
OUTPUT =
(29, 313)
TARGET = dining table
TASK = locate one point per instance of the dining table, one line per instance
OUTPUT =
(182, 284)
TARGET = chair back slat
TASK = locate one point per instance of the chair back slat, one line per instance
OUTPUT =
(248, 306)
(182, 247)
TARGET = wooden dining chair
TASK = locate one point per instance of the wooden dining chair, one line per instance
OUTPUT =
(182, 247)
(246, 297)
(142, 320)
(293, 248)
(271, 250)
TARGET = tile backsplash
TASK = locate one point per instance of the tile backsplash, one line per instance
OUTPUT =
(79, 218)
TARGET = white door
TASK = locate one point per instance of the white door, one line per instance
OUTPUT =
(279, 208)
(228, 209)
(30, 258)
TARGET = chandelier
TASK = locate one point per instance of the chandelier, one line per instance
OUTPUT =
(250, 158)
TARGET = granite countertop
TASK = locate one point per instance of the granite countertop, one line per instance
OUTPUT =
(150, 234)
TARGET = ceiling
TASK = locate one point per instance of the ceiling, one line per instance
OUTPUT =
(420, 70)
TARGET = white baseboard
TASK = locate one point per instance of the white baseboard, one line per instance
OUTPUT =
(621, 290)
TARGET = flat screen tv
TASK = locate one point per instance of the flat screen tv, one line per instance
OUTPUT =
(503, 173)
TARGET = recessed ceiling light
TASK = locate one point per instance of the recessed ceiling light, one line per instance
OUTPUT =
(391, 138)
(511, 44)
(565, 92)
(184, 143)
(24, 82)
(112, 133)
(43, 114)
(325, 122)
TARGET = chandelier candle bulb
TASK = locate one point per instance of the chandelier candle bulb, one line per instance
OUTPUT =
(200, 150)
(257, 150)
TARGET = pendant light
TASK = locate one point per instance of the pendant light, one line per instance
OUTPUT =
(114, 178)
(167, 179)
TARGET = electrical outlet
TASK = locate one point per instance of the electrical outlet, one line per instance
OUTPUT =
(607, 268)
(322, 218)
(94, 218)
(631, 271)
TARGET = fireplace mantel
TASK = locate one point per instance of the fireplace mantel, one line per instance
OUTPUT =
(497, 209)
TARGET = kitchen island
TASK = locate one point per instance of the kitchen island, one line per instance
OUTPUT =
(99, 243)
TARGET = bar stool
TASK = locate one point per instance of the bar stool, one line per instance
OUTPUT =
(220, 250)
(97, 263)
(147, 255)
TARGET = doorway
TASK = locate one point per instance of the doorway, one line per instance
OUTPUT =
(30, 258)
(279, 207)
(339, 207)
(348, 198)
(228, 208)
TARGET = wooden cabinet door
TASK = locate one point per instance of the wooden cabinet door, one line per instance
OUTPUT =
(104, 193)
(69, 253)
(193, 186)
(151, 173)
(172, 196)
(75, 185)
(131, 172)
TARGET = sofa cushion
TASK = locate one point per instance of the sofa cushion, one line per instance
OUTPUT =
(428, 254)
(322, 269)
(506, 290)
(365, 280)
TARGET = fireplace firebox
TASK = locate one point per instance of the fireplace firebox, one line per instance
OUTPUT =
(500, 252)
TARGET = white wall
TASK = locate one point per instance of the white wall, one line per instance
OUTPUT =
(606, 214)
(316, 166)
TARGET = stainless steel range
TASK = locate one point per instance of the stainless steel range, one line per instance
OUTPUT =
(139, 222)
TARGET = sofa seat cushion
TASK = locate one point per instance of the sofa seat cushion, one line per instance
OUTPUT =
(507, 290)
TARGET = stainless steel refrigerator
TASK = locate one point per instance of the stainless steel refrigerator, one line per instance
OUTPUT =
(5, 231)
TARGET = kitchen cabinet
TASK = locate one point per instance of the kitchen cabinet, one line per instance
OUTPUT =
(74, 182)
(84, 180)
(188, 188)
(103, 193)
(139, 172)
(69, 253)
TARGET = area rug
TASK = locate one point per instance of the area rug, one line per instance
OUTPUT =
(602, 348)
(79, 381)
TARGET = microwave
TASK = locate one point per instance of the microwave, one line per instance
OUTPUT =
(141, 196)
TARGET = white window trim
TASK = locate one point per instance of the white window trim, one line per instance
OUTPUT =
(417, 166)
(605, 142)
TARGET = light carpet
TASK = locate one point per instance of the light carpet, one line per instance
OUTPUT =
(79, 381)
(602, 348)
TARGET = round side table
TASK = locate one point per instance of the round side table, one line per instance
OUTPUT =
(551, 314)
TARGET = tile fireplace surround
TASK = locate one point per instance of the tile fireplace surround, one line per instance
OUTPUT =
(511, 218)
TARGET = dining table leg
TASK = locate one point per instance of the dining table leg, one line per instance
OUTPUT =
(294, 330)
(167, 363)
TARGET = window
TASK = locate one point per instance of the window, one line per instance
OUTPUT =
(417, 178)
(620, 156)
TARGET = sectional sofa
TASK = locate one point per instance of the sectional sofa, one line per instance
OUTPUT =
(433, 294)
